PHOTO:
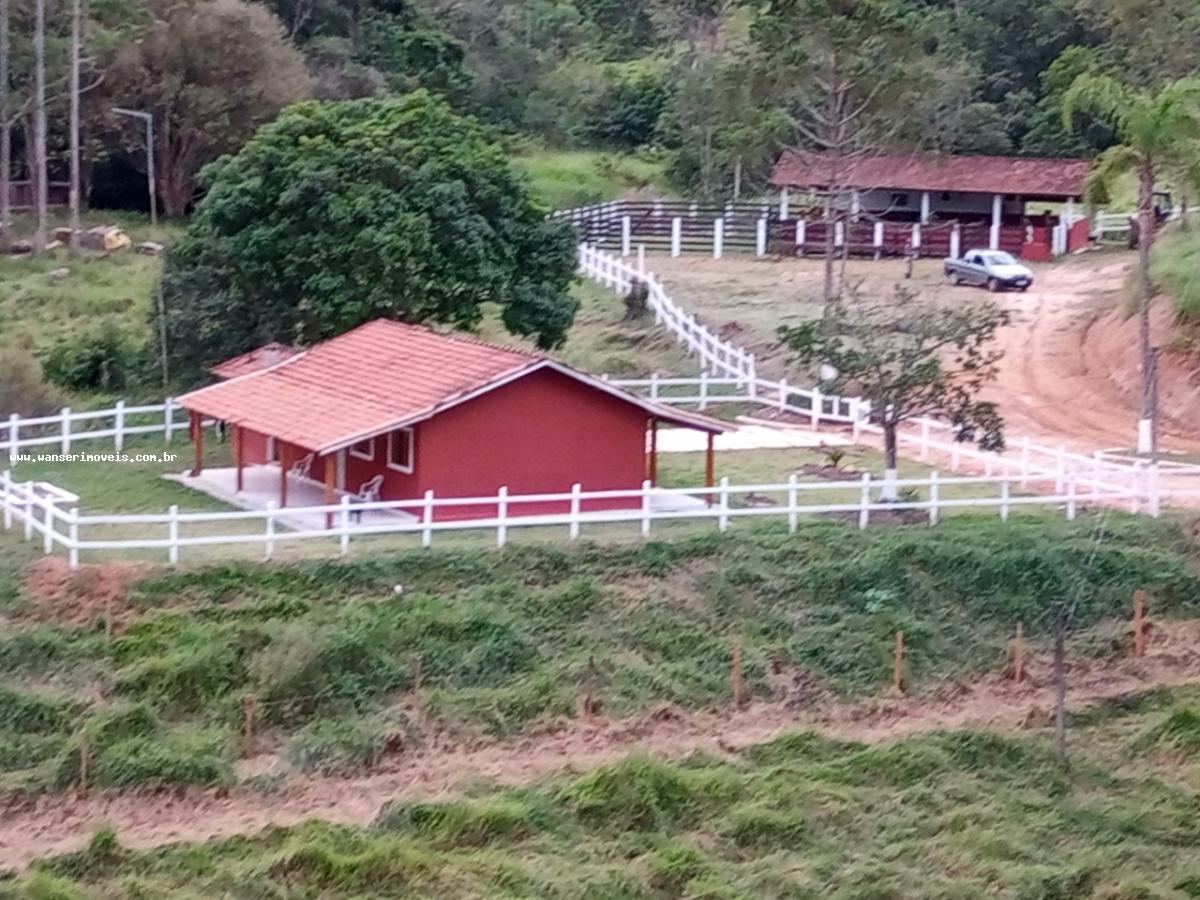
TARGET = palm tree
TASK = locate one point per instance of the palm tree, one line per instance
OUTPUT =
(1159, 132)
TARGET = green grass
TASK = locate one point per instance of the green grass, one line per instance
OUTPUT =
(1176, 266)
(942, 816)
(506, 640)
(560, 179)
(36, 309)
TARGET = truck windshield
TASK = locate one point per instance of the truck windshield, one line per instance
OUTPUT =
(999, 258)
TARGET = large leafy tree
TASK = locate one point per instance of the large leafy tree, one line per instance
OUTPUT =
(908, 358)
(211, 72)
(338, 213)
(1157, 132)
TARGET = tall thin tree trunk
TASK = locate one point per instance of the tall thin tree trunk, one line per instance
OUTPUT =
(5, 133)
(40, 185)
(1147, 439)
(75, 199)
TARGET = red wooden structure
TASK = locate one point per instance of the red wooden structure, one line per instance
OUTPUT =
(389, 411)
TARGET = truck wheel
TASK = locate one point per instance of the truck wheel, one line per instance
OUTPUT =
(993, 285)
(953, 278)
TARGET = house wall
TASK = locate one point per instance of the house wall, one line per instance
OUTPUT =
(538, 434)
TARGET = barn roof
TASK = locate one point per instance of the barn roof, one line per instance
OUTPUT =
(379, 377)
(1034, 177)
(259, 358)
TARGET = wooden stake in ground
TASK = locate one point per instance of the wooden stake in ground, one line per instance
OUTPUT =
(735, 678)
(249, 708)
(898, 664)
(591, 705)
(1018, 654)
(1139, 622)
(83, 765)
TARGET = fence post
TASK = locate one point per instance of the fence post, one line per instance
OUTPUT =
(815, 414)
(28, 510)
(800, 237)
(502, 516)
(1071, 497)
(168, 418)
(933, 497)
(646, 486)
(119, 426)
(760, 238)
(14, 439)
(173, 535)
(793, 511)
(864, 507)
(718, 238)
(955, 242)
(48, 531)
(6, 486)
(344, 526)
(916, 236)
(626, 235)
(1004, 498)
(269, 538)
(73, 536)
(856, 417)
(839, 234)
(878, 239)
(576, 508)
(703, 389)
(782, 394)
(676, 236)
(66, 429)
(783, 203)
(723, 507)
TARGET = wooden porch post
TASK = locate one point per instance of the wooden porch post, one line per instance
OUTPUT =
(709, 466)
(196, 426)
(283, 473)
(239, 439)
(330, 479)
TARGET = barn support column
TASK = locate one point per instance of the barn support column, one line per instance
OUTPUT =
(239, 441)
(283, 473)
(196, 427)
(709, 467)
(997, 207)
(783, 204)
(330, 480)
(924, 207)
(652, 457)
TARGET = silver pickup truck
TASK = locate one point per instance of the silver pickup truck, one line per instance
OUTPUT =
(993, 268)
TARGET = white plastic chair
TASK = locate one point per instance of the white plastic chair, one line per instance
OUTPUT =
(302, 468)
(368, 492)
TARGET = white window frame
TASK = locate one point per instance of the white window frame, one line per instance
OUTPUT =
(368, 455)
(412, 451)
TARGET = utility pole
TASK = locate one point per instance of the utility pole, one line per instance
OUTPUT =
(5, 132)
(148, 118)
(40, 186)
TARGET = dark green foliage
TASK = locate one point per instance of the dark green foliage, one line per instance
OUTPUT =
(1180, 732)
(335, 746)
(104, 359)
(339, 213)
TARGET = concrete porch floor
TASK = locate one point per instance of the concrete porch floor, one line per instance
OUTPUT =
(260, 486)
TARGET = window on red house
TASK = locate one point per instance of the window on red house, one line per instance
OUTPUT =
(400, 450)
(363, 449)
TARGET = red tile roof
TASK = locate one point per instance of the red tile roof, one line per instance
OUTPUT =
(1041, 178)
(379, 377)
(259, 358)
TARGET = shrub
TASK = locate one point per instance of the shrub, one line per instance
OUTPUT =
(463, 823)
(638, 793)
(99, 360)
(335, 746)
(22, 388)
(1179, 731)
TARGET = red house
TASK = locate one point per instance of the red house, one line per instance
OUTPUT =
(389, 411)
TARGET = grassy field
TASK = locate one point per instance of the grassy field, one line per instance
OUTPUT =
(1176, 266)
(505, 639)
(943, 816)
(560, 179)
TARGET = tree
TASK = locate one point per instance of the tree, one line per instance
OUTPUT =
(210, 71)
(908, 359)
(40, 173)
(5, 129)
(847, 70)
(338, 213)
(1157, 131)
(73, 137)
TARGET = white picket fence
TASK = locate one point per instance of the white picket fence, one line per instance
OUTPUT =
(57, 520)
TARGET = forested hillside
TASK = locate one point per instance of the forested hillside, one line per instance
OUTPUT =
(693, 85)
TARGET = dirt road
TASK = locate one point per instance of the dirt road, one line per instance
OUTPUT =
(1070, 373)
(56, 824)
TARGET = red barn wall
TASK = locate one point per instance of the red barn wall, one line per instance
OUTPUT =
(538, 434)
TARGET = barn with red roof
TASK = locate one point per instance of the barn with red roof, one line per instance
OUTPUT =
(389, 411)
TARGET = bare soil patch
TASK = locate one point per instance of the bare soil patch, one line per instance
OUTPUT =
(84, 596)
(47, 825)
